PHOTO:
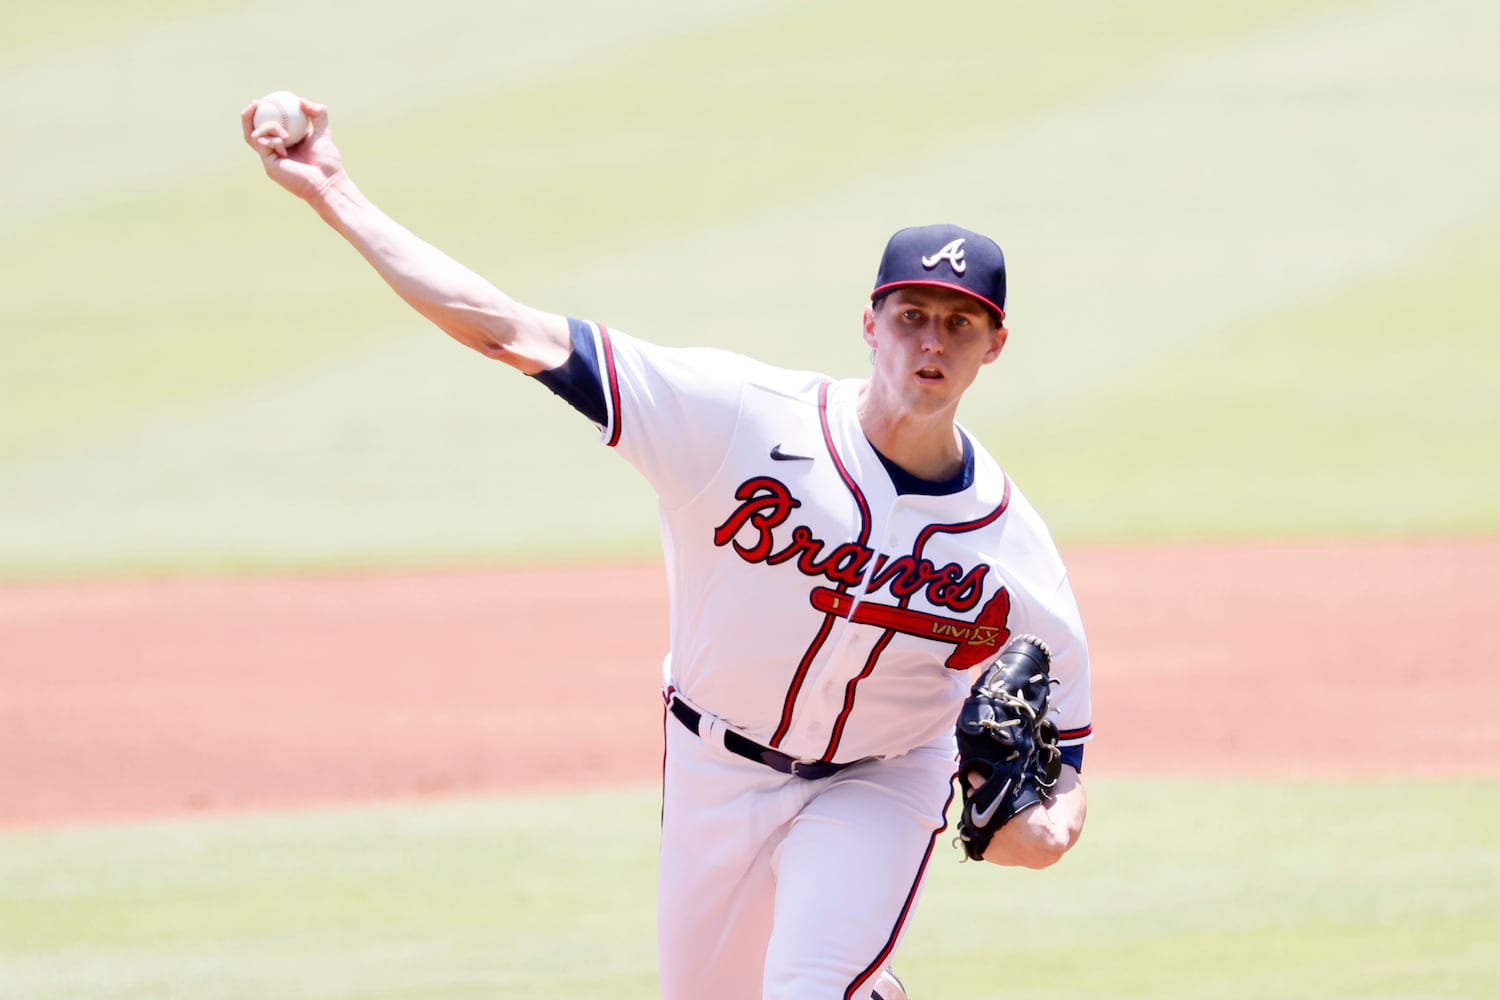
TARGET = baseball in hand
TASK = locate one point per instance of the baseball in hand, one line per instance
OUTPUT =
(285, 107)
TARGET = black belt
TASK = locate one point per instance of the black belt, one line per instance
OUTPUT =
(812, 770)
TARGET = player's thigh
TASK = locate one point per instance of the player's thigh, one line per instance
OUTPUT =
(722, 817)
(849, 872)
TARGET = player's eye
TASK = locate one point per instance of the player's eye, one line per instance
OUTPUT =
(912, 315)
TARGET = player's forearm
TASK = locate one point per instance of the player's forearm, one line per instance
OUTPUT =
(1040, 836)
(462, 304)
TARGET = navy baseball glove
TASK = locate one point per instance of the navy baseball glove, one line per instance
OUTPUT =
(1007, 747)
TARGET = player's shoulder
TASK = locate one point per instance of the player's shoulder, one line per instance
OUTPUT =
(792, 382)
(1023, 525)
(718, 364)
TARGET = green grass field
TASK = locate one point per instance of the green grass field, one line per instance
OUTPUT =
(1252, 255)
(1189, 889)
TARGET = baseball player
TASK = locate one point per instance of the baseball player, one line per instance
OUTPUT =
(839, 554)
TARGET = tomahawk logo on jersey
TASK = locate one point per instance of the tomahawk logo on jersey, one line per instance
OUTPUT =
(763, 472)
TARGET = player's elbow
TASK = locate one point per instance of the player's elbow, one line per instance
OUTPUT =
(1043, 847)
(1049, 851)
(523, 338)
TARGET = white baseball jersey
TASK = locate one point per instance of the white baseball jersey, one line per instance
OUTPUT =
(814, 608)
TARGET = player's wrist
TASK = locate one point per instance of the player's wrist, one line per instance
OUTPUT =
(334, 195)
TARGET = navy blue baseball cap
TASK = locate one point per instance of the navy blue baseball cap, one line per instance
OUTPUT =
(945, 256)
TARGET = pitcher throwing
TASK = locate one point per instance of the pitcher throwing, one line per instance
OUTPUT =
(840, 555)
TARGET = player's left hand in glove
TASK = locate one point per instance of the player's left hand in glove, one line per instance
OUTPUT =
(1008, 759)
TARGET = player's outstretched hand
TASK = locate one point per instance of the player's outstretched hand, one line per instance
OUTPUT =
(305, 169)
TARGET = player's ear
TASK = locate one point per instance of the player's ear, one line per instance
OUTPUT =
(870, 327)
(1000, 334)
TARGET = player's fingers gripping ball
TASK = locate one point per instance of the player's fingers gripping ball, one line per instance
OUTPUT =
(1008, 759)
(284, 108)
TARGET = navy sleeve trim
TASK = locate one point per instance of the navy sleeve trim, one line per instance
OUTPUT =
(577, 381)
(1073, 757)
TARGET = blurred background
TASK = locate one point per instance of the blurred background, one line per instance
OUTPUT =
(1253, 252)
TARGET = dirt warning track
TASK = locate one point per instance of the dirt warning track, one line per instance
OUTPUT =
(125, 700)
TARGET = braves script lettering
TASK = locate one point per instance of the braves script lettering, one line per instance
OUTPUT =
(767, 504)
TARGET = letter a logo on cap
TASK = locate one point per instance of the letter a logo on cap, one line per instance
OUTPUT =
(953, 253)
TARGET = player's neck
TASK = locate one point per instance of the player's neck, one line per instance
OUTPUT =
(926, 445)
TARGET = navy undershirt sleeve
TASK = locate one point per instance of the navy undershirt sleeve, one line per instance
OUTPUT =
(577, 380)
(1073, 757)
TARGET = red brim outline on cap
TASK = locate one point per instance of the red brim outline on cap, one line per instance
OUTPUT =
(877, 293)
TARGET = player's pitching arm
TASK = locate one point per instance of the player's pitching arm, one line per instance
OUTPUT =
(466, 306)
(1038, 837)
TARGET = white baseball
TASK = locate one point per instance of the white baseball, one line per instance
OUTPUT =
(285, 107)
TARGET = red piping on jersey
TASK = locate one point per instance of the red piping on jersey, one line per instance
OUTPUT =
(1076, 734)
(859, 496)
(799, 677)
(863, 979)
(838, 726)
(958, 529)
(795, 688)
(612, 382)
(922, 539)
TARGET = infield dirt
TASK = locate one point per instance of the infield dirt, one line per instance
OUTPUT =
(129, 700)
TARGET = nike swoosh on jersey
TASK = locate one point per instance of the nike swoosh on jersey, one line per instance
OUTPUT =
(777, 455)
